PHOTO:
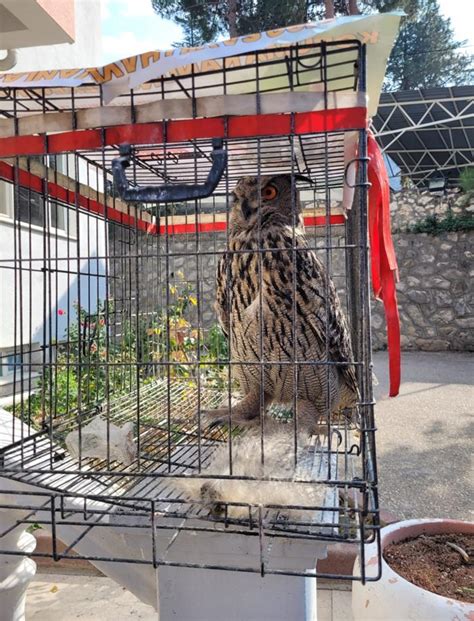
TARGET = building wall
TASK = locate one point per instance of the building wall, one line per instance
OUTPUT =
(435, 293)
(407, 208)
(86, 51)
(59, 266)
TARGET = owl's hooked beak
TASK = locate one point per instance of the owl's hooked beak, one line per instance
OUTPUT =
(246, 208)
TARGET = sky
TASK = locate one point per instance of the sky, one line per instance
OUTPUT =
(131, 26)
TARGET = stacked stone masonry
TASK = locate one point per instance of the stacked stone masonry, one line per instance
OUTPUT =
(435, 291)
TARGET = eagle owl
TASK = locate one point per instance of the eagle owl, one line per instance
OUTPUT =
(277, 305)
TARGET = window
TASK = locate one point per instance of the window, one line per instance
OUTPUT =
(60, 163)
(58, 216)
(63, 219)
(8, 362)
(6, 199)
(30, 209)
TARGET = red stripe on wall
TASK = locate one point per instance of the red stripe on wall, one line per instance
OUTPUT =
(200, 227)
(321, 220)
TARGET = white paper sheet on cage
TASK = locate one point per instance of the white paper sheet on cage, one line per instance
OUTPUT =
(377, 31)
(97, 435)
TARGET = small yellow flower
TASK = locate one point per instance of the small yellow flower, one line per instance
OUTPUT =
(193, 300)
(173, 290)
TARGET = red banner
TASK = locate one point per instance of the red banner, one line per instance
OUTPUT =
(383, 259)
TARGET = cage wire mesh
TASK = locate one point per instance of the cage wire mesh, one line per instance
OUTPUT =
(116, 350)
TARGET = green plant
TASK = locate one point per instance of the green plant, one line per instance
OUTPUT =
(216, 350)
(432, 225)
(170, 335)
(217, 343)
(466, 180)
(108, 353)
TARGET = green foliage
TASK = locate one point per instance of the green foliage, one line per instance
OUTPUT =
(217, 343)
(426, 53)
(435, 226)
(216, 349)
(105, 354)
(202, 22)
(79, 377)
(466, 180)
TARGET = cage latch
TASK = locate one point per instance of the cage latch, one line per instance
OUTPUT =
(167, 192)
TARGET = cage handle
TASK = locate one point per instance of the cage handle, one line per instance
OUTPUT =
(167, 192)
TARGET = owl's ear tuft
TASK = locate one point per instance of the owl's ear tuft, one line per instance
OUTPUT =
(304, 178)
(297, 177)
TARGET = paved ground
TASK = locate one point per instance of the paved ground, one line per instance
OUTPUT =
(425, 436)
(95, 598)
(89, 598)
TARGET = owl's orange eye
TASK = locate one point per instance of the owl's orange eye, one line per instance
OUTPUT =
(269, 192)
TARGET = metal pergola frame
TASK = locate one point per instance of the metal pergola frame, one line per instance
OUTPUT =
(428, 133)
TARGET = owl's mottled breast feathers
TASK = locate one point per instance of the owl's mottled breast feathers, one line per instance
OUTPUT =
(269, 272)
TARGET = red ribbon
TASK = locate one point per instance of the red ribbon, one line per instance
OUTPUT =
(383, 259)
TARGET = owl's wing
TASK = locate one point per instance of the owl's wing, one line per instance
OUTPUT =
(221, 305)
(321, 307)
(315, 319)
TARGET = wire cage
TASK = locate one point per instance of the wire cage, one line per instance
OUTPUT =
(116, 352)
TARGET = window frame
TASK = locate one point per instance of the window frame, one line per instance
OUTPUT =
(7, 209)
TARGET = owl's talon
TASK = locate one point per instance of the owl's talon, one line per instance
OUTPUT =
(218, 422)
(338, 435)
(211, 419)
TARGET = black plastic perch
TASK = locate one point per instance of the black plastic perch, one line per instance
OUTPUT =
(167, 192)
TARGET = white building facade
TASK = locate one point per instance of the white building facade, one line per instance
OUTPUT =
(50, 238)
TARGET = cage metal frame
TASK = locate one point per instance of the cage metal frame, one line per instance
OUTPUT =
(151, 236)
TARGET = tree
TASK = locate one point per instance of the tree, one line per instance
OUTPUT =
(204, 20)
(426, 53)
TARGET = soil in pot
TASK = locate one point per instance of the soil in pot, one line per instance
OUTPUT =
(430, 563)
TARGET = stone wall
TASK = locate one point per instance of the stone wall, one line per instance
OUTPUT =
(435, 293)
(410, 206)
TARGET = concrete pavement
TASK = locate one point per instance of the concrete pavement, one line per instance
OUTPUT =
(96, 598)
(425, 436)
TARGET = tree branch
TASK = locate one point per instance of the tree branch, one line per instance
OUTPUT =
(353, 8)
(232, 18)
(329, 6)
